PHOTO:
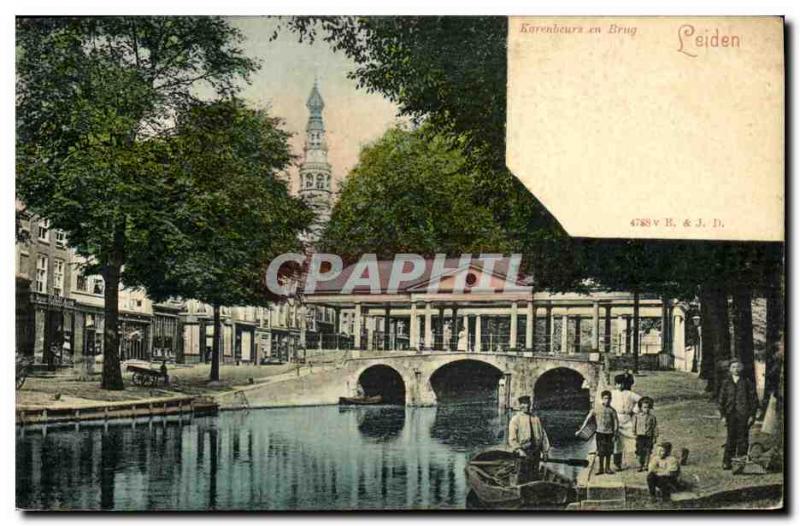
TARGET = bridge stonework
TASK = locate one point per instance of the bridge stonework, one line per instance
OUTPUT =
(521, 371)
(325, 384)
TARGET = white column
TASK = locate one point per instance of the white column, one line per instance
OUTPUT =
(478, 333)
(370, 331)
(428, 322)
(303, 322)
(357, 327)
(413, 337)
(529, 321)
(620, 334)
(465, 324)
(565, 346)
(512, 337)
(679, 336)
(595, 327)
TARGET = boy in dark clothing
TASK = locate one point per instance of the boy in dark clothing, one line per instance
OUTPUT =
(738, 404)
(645, 427)
(607, 428)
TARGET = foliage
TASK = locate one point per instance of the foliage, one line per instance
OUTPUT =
(236, 214)
(94, 95)
(411, 192)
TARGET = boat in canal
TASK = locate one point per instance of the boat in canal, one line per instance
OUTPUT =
(491, 475)
(361, 400)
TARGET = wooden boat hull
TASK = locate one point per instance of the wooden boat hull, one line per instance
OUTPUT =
(366, 400)
(491, 475)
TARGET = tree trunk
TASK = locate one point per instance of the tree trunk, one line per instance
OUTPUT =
(707, 333)
(215, 346)
(774, 336)
(743, 330)
(716, 335)
(636, 331)
(112, 374)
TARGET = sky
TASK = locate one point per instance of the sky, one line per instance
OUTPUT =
(353, 118)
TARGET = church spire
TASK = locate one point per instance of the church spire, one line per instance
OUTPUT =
(315, 172)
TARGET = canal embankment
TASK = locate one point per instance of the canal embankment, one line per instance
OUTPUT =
(687, 418)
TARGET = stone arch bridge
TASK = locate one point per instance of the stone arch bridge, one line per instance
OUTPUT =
(516, 374)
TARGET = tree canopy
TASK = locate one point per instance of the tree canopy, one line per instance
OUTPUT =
(94, 95)
(237, 214)
(411, 192)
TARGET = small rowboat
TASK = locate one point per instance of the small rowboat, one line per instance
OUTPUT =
(492, 476)
(362, 400)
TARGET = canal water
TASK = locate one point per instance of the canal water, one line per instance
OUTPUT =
(303, 458)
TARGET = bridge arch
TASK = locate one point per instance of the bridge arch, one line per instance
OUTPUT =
(465, 379)
(562, 387)
(383, 380)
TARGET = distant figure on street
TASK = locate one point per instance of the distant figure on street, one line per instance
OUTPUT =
(645, 427)
(738, 404)
(628, 379)
(528, 439)
(663, 472)
(462, 339)
(626, 404)
(607, 429)
(163, 370)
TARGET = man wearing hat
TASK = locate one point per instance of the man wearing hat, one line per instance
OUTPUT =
(528, 439)
(738, 404)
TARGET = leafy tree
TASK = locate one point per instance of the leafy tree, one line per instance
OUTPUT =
(93, 97)
(237, 215)
(411, 192)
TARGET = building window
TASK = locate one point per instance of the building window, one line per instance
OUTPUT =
(41, 274)
(58, 277)
(61, 239)
(99, 285)
(44, 230)
(81, 283)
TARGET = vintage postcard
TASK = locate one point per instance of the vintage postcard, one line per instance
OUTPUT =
(400, 263)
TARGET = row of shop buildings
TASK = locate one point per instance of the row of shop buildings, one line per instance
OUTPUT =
(60, 320)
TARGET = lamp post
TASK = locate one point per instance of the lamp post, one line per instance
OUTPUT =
(699, 348)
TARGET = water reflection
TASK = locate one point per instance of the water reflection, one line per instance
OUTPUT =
(381, 423)
(469, 426)
(295, 458)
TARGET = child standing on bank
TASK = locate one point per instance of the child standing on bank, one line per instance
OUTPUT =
(645, 427)
(607, 428)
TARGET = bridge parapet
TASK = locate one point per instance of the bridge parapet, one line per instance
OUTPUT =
(520, 371)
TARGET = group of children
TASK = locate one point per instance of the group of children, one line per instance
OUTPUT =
(645, 427)
(663, 469)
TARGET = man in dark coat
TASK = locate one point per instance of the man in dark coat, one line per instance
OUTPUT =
(738, 404)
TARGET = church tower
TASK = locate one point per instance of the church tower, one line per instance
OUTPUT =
(315, 172)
